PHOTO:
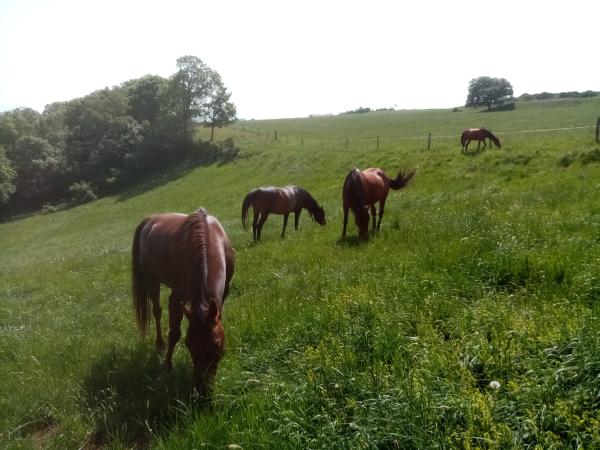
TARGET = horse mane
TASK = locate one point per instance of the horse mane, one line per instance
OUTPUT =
(194, 241)
(308, 200)
(353, 188)
(491, 135)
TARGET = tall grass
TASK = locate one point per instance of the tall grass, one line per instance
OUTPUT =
(486, 269)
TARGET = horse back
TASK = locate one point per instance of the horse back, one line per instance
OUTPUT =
(376, 185)
(277, 200)
(159, 245)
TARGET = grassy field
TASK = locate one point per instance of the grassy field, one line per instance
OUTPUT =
(486, 268)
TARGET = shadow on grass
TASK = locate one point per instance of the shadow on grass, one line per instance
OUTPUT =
(127, 396)
(351, 241)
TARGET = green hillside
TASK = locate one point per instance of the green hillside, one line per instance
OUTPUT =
(486, 269)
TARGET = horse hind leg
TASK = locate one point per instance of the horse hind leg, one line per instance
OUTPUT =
(261, 222)
(374, 215)
(255, 225)
(285, 221)
(154, 293)
(381, 209)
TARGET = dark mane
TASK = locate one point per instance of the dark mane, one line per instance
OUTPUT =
(353, 185)
(194, 240)
(491, 136)
(308, 201)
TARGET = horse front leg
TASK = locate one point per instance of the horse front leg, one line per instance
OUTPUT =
(285, 220)
(154, 293)
(175, 315)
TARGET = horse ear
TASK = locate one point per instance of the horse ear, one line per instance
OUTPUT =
(187, 311)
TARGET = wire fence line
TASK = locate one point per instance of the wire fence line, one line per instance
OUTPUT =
(272, 136)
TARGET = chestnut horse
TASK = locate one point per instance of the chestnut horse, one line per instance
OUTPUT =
(479, 135)
(267, 200)
(192, 255)
(362, 190)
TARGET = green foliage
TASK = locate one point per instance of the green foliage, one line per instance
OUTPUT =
(488, 91)
(485, 269)
(7, 178)
(110, 137)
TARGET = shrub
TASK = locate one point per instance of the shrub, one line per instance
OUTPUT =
(82, 192)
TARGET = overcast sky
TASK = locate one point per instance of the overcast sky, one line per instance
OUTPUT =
(294, 58)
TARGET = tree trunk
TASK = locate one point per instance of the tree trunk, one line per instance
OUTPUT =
(212, 132)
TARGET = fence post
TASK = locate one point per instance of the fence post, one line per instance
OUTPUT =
(302, 140)
(429, 142)
(598, 130)
(275, 134)
(377, 142)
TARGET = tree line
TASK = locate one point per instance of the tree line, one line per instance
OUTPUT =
(76, 150)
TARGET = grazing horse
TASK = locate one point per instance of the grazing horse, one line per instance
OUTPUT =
(479, 135)
(192, 255)
(362, 190)
(267, 200)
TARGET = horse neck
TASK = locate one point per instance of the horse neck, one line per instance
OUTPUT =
(307, 201)
(355, 190)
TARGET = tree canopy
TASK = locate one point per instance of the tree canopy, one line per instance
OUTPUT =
(487, 91)
(77, 149)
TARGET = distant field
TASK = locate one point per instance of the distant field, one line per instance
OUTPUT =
(487, 268)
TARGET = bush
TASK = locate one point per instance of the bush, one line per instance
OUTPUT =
(593, 156)
(82, 192)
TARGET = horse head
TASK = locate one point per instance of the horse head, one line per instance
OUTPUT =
(205, 341)
(319, 215)
(362, 219)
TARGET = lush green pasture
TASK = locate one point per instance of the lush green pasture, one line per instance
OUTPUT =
(487, 268)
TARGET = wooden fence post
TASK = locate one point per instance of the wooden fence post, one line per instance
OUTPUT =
(598, 130)
(377, 142)
(429, 142)
(275, 134)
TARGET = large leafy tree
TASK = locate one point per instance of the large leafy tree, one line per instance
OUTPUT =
(7, 178)
(101, 134)
(487, 91)
(189, 93)
(220, 110)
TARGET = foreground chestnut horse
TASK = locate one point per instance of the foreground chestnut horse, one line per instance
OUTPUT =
(192, 255)
(267, 200)
(479, 135)
(362, 190)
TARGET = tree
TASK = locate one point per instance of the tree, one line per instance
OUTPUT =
(220, 111)
(189, 92)
(7, 178)
(488, 91)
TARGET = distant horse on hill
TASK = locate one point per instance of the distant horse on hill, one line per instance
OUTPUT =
(479, 135)
(362, 189)
(193, 256)
(267, 200)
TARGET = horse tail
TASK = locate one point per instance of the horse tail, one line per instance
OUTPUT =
(139, 283)
(402, 179)
(245, 205)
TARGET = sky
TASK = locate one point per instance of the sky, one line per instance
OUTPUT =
(289, 58)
